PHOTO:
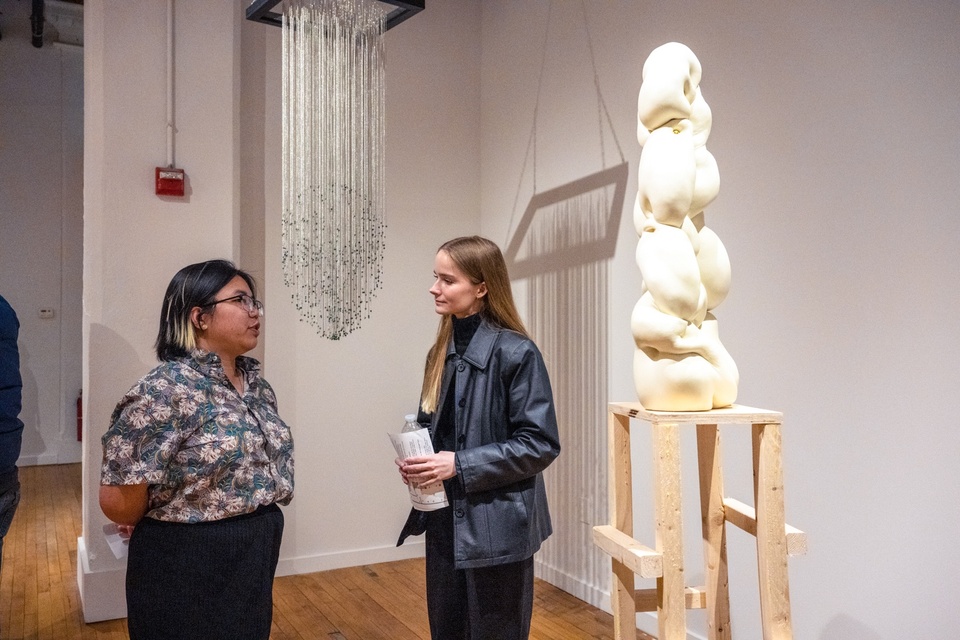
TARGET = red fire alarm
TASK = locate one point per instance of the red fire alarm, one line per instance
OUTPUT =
(169, 181)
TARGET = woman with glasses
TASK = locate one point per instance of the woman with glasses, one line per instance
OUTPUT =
(195, 462)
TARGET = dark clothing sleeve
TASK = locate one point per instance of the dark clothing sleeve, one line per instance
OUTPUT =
(11, 385)
(533, 442)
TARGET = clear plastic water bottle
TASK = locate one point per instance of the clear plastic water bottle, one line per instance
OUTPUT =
(428, 497)
(411, 423)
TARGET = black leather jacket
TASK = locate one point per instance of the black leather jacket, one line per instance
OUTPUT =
(506, 434)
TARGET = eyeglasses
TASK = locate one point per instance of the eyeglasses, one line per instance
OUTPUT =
(249, 304)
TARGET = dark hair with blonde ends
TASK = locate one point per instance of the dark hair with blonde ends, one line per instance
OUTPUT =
(195, 285)
(481, 261)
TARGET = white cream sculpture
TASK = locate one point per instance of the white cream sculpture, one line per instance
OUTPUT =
(680, 363)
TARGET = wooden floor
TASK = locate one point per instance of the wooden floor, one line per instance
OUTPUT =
(39, 598)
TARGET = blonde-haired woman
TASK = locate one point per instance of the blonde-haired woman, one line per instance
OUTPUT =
(487, 400)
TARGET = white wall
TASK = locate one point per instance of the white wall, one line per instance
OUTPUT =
(835, 130)
(41, 210)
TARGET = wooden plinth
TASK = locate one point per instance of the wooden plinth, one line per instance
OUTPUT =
(672, 597)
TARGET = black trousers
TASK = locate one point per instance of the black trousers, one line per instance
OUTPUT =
(487, 603)
(9, 499)
(203, 581)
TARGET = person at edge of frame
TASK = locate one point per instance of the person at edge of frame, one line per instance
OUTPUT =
(11, 427)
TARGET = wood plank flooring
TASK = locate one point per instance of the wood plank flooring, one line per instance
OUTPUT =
(39, 599)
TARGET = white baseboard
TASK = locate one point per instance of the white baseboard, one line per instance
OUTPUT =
(573, 585)
(352, 558)
(38, 460)
(50, 457)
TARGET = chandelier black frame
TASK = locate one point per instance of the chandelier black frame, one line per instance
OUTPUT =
(260, 11)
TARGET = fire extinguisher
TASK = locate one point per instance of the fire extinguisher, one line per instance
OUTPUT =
(80, 416)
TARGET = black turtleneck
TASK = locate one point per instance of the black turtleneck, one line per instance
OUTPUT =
(445, 431)
(463, 330)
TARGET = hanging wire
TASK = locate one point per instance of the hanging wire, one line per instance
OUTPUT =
(332, 220)
(532, 141)
(601, 104)
(601, 112)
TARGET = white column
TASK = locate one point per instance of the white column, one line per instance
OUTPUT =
(134, 241)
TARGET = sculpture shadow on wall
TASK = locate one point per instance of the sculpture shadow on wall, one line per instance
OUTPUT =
(562, 248)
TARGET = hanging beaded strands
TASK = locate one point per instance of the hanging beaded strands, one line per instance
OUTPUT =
(333, 194)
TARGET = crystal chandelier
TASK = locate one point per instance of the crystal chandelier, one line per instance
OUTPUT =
(332, 144)
(332, 220)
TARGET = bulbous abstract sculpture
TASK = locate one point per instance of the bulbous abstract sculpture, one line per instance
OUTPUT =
(680, 363)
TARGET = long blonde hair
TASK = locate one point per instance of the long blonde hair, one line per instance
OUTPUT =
(481, 261)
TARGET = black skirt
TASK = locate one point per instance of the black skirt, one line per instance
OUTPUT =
(207, 580)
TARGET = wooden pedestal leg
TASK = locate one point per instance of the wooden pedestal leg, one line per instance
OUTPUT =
(622, 603)
(621, 513)
(771, 536)
(671, 601)
(714, 532)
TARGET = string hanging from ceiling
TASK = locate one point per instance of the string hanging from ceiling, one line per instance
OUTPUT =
(333, 227)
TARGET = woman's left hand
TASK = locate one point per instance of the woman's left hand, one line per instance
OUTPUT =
(429, 469)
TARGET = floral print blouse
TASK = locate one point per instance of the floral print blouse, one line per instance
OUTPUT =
(206, 452)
